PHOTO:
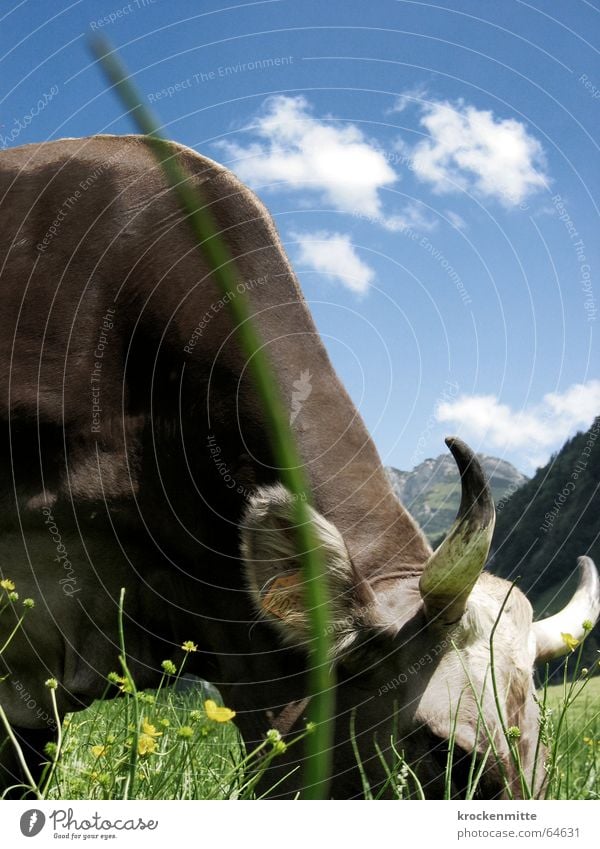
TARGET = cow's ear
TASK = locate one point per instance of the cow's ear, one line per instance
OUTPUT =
(273, 570)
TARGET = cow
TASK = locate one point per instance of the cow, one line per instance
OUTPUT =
(135, 455)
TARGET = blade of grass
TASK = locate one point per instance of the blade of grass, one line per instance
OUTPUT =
(512, 745)
(479, 704)
(418, 786)
(317, 769)
(19, 753)
(361, 769)
(129, 787)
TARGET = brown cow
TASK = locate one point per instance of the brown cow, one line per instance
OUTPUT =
(135, 455)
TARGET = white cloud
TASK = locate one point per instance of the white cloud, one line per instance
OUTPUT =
(334, 255)
(472, 150)
(455, 219)
(298, 151)
(407, 98)
(537, 430)
(411, 217)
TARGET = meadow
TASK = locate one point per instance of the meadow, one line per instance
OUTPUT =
(187, 747)
(180, 741)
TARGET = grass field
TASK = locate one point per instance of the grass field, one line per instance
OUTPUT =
(182, 753)
(578, 749)
(179, 752)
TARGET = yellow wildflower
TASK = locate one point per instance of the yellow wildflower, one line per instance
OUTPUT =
(150, 730)
(7, 584)
(146, 744)
(98, 751)
(570, 641)
(147, 740)
(189, 646)
(217, 713)
(122, 683)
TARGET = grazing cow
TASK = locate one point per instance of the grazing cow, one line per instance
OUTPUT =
(135, 455)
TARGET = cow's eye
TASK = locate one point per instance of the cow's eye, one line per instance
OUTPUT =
(363, 663)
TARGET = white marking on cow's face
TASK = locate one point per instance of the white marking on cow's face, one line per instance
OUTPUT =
(461, 689)
(430, 682)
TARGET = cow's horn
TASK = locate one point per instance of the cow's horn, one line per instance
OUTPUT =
(453, 568)
(553, 635)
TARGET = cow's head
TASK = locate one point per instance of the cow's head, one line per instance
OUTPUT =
(413, 654)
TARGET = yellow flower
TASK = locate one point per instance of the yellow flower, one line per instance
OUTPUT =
(217, 713)
(189, 646)
(570, 641)
(150, 730)
(98, 751)
(7, 584)
(146, 744)
(147, 740)
(123, 683)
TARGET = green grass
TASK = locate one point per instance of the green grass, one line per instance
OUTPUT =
(207, 761)
(181, 752)
(578, 757)
(186, 755)
(173, 744)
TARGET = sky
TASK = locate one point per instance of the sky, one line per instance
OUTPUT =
(432, 170)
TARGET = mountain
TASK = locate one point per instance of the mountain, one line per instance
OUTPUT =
(548, 523)
(431, 492)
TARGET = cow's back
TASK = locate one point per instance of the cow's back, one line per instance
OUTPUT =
(101, 288)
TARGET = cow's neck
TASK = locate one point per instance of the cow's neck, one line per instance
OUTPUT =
(349, 483)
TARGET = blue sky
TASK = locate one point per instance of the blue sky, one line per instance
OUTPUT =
(432, 170)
